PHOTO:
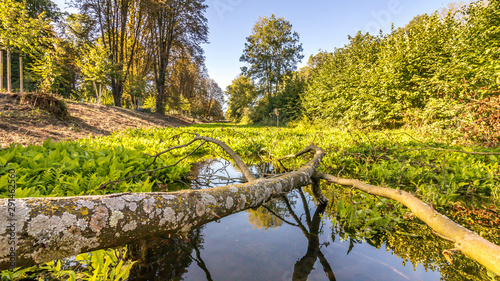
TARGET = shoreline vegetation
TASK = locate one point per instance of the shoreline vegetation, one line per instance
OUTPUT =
(416, 109)
(436, 172)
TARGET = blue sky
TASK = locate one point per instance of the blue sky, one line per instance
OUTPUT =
(321, 24)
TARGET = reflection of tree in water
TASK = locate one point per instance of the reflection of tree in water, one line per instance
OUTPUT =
(414, 242)
(279, 210)
(263, 218)
(269, 215)
(167, 258)
(213, 172)
(305, 265)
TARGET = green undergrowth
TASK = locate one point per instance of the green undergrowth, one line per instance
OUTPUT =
(394, 158)
(398, 159)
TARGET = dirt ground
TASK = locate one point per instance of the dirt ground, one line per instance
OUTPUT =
(27, 124)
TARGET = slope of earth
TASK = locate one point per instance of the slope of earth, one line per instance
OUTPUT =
(24, 123)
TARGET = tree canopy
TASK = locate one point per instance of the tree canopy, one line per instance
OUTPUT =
(242, 94)
(127, 53)
(18, 29)
(272, 52)
(174, 26)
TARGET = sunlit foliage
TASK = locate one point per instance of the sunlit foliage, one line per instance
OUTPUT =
(425, 72)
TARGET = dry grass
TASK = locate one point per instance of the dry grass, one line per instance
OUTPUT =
(25, 123)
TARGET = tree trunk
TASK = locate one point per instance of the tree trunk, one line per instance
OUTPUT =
(1, 70)
(21, 80)
(52, 228)
(99, 97)
(117, 90)
(9, 78)
(98, 91)
(160, 98)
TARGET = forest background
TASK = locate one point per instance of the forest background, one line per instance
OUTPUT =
(440, 69)
(393, 100)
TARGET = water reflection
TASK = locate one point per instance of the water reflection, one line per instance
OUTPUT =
(293, 238)
(305, 265)
(219, 172)
(160, 258)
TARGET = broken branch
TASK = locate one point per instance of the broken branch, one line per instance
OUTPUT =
(468, 242)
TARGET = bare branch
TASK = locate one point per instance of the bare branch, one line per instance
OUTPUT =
(170, 149)
(103, 186)
(310, 148)
(468, 242)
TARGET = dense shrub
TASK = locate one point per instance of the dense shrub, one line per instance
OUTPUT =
(431, 67)
(482, 121)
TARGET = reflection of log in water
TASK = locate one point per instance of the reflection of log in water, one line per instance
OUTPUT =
(167, 258)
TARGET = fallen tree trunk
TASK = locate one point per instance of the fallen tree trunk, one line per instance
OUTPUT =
(46, 229)
(466, 241)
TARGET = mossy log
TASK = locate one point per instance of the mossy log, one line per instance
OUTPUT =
(52, 228)
(46, 229)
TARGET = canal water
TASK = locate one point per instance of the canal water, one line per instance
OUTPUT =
(290, 238)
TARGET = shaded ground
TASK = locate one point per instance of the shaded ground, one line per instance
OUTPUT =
(27, 124)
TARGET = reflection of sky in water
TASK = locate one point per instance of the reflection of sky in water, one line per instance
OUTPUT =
(235, 250)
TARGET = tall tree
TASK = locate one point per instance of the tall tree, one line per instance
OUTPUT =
(120, 23)
(20, 31)
(173, 24)
(272, 51)
(242, 94)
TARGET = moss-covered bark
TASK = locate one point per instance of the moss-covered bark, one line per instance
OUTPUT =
(54, 228)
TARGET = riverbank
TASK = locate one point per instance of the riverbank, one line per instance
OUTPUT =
(26, 123)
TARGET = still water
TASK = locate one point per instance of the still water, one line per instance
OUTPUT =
(291, 239)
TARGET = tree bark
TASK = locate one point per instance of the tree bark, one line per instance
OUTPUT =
(21, 80)
(1, 70)
(466, 241)
(117, 90)
(52, 228)
(9, 78)
(160, 97)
